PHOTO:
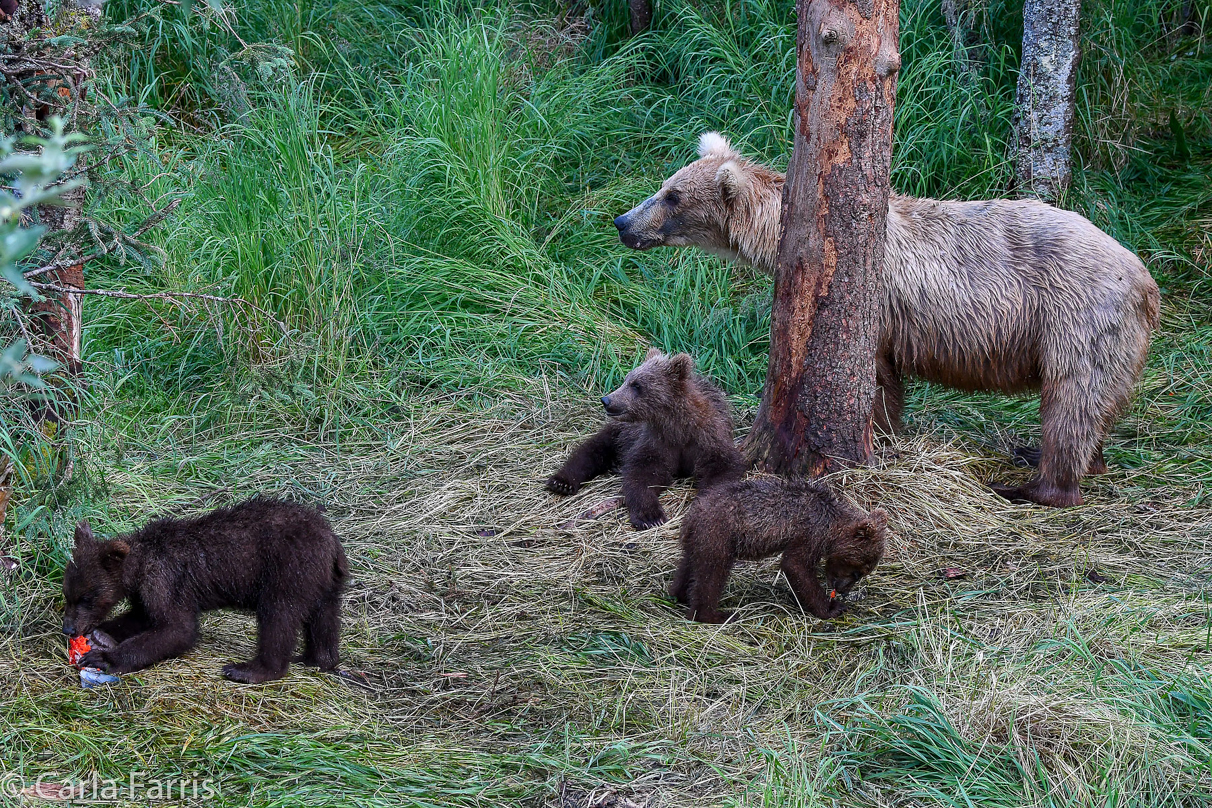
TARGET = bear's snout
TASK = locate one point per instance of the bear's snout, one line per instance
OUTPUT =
(69, 627)
(611, 409)
(626, 235)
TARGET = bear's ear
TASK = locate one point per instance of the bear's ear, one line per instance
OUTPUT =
(653, 353)
(113, 553)
(84, 533)
(713, 144)
(682, 365)
(872, 528)
(732, 181)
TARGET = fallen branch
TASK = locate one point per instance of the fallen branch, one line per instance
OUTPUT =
(172, 297)
(602, 508)
(148, 223)
(6, 490)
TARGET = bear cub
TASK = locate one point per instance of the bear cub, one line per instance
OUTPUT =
(665, 421)
(760, 516)
(278, 559)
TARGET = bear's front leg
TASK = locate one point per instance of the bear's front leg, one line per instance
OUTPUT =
(799, 565)
(126, 625)
(591, 458)
(144, 649)
(645, 476)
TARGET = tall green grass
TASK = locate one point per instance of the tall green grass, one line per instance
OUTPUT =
(427, 191)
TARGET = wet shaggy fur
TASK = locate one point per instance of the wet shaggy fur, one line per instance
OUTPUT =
(665, 421)
(278, 559)
(759, 517)
(1003, 296)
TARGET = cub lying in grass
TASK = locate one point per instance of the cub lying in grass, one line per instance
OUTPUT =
(278, 559)
(664, 421)
(758, 517)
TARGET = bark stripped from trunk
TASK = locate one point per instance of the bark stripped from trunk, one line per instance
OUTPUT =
(60, 314)
(1045, 102)
(54, 83)
(815, 414)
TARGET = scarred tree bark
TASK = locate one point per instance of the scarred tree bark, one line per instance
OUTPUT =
(53, 92)
(1045, 102)
(815, 414)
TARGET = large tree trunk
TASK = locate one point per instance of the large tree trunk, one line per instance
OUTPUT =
(815, 414)
(54, 82)
(641, 15)
(961, 17)
(1045, 100)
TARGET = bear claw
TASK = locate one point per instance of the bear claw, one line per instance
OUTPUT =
(94, 659)
(558, 485)
(1026, 456)
(648, 524)
(1038, 495)
(249, 673)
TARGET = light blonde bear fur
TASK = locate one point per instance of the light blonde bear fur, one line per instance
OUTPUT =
(1000, 295)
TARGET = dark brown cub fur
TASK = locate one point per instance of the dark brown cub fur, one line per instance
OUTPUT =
(278, 559)
(665, 421)
(758, 517)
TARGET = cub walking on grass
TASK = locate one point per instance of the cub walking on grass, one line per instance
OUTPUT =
(758, 517)
(278, 559)
(664, 421)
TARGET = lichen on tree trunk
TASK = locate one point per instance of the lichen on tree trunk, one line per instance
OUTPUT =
(815, 414)
(1045, 101)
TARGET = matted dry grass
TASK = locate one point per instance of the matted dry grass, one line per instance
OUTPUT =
(490, 633)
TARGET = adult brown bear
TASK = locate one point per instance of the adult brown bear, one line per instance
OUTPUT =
(1003, 296)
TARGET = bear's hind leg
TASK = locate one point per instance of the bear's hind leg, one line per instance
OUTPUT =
(706, 562)
(278, 623)
(322, 634)
(1098, 465)
(1029, 456)
(1026, 456)
(679, 588)
(708, 574)
(1071, 422)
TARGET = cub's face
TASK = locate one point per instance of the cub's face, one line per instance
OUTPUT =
(691, 208)
(856, 555)
(651, 390)
(92, 582)
(843, 574)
